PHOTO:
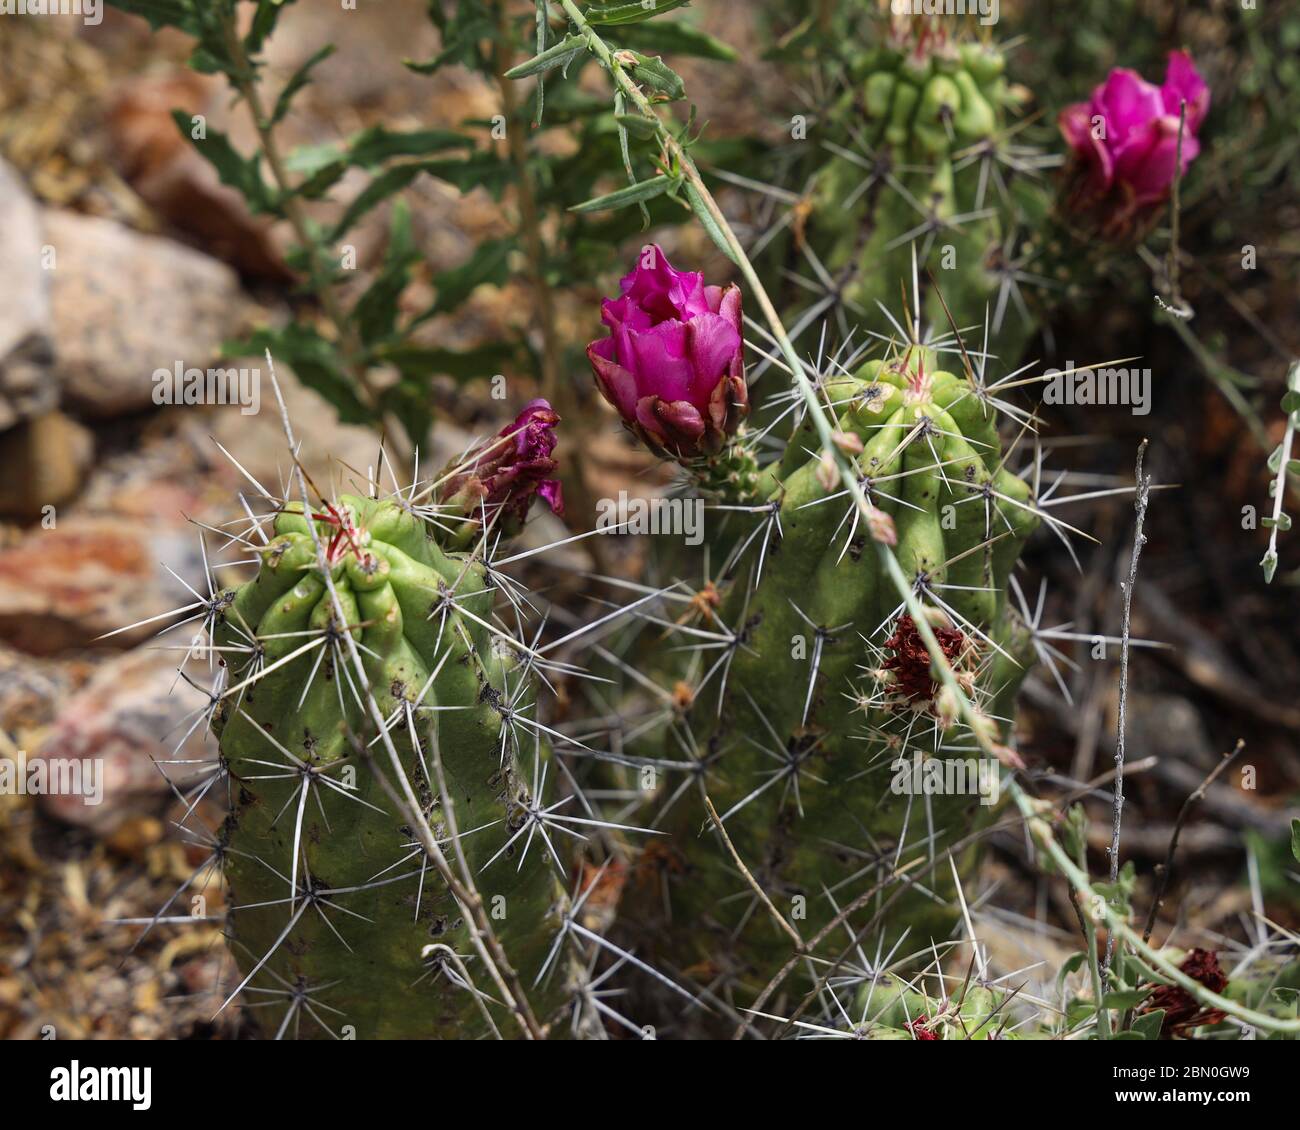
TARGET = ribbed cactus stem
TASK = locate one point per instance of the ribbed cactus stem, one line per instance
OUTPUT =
(333, 901)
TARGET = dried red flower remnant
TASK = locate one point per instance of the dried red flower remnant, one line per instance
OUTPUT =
(910, 662)
(1183, 1011)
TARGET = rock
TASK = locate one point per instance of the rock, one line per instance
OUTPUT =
(175, 180)
(43, 462)
(64, 587)
(26, 350)
(125, 305)
(131, 720)
(33, 690)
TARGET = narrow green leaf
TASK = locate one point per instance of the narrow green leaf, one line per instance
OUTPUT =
(676, 38)
(378, 190)
(410, 401)
(615, 13)
(465, 365)
(1125, 998)
(241, 173)
(314, 361)
(376, 145)
(376, 310)
(1148, 1025)
(557, 56)
(299, 79)
(1269, 564)
(488, 265)
(1295, 838)
(638, 125)
(633, 194)
(705, 217)
(665, 84)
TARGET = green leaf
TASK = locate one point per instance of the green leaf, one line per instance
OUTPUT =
(638, 125)
(488, 265)
(632, 194)
(1269, 564)
(418, 361)
(410, 402)
(706, 219)
(557, 56)
(1295, 838)
(373, 146)
(376, 309)
(650, 71)
(264, 21)
(615, 13)
(460, 40)
(1148, 1025)
(1071, 964)
(1125, 998)
(677, 38)
(1282, 522)
(1291, 402)
(241, 173)
(388, 183)
(316, 363)
(299, 79)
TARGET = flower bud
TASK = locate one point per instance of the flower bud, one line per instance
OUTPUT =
(673, 364)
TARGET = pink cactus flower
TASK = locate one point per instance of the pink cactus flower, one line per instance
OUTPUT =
(505, 473)
(1125, 143)
(673, 364)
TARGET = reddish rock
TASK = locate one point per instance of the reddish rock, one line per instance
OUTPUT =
(65, 587)
(129, 719)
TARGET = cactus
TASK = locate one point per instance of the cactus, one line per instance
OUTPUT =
(330, 893)
(922, 152)
(821, 684)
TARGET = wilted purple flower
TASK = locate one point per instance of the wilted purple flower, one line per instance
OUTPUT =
(1125, 142)
(505, 473)
(673, 364)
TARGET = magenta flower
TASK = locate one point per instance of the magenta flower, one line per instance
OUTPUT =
(1125, 141)
(505, 473)
(673, 364)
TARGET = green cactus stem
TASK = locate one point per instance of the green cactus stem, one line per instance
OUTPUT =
(806, 729)
(336, 917)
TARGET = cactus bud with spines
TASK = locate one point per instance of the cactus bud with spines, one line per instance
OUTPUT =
(333, 903)
(922, 153)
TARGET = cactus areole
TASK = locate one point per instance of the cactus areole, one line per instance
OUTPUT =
(339, 924)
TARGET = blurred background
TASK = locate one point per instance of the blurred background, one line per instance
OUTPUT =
(155, 259)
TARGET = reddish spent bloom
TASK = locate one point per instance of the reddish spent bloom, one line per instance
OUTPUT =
(673, 364)
(1125, 144)
(505, 473)
(910, 662)
(919, 1030)
(1183, 1012)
